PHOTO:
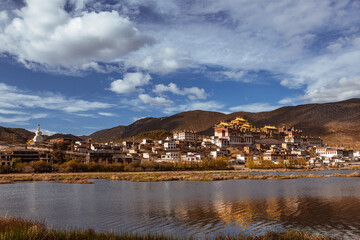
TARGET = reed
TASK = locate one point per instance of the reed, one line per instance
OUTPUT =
(18, 229)
(83, 177)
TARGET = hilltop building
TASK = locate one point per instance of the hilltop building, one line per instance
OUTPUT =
(38, 136)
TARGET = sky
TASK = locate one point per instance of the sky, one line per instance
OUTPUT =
(78, 66)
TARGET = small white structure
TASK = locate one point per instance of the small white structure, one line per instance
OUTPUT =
(240, 158)
(170, 156)
(218, 153)
(38, 136)
(170, 145)
(146, 141)
(192, 157)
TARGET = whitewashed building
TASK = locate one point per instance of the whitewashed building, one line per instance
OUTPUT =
(329, 152)
(185, 135)
(170, 156)
(170, 145)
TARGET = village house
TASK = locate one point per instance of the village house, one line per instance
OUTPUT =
(184, 135)
(329, 152)
(192, 157)
(169, 157)
(219, 153)
(170, 145)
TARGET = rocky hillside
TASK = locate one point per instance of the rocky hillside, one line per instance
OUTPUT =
(337, 123)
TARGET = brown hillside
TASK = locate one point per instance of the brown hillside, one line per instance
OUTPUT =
(337, 123)
(15, 135)
(68, 136)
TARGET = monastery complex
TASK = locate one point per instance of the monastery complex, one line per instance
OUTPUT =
(238, 142)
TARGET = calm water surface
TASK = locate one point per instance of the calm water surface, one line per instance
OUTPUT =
(198, 209)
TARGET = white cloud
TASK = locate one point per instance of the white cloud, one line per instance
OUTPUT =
(289, 38)
(44, 131)
(130, 82)
(291, 84)
(134, 119)
(329, 71)
(43, 32)
(11, 112)
(159, 59)
(343, 89)
(3, 16)
(235, 75)
(289, 100)
(205, 106)
(155, 101)
(193, 92)
(13, 98)
(254, 107)
(107, 114)
(21, 120)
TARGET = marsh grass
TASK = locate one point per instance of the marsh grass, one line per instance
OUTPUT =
(354, 174)
(83, 178)
(76, 181)
(19, 229)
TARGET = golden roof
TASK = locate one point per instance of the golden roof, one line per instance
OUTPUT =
(269, 127)
(222, 124)
(239, 120)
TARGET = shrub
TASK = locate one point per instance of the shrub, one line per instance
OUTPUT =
(133, 167)
(115, 167)
(20, 167)
(41, 166)
(73, 166)
(5, 169)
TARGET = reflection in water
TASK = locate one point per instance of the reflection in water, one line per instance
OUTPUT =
(328, 205)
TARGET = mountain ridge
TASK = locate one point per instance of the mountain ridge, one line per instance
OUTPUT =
(338, 123)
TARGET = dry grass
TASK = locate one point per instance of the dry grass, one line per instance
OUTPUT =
(5, 181)
(76, 181)
(82, 178)
(354, 174)
(18, 229)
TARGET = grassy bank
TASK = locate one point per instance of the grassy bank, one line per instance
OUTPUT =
(18, 229)
(82, 178)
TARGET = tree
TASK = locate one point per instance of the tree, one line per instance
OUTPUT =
(58, 153)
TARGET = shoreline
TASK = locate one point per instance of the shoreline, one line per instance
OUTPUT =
(19, 228)
(85, 177)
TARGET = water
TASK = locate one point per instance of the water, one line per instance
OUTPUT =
(198, 209)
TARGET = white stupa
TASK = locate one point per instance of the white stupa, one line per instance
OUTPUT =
(38, 136)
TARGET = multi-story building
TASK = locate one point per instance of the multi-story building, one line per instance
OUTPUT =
(219, 153)
(329, 152)
(170, 145)
(19, 154)
(185, 135)
(170, 157)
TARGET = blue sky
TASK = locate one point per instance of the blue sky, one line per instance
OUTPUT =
(78, 66)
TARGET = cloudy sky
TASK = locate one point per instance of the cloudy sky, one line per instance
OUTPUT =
(77, 66)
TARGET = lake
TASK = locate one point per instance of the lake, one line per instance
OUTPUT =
(198, 209)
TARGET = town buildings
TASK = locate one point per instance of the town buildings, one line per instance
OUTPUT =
(237, 141)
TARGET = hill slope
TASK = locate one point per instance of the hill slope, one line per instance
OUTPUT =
(337, 123)
(15, 135)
